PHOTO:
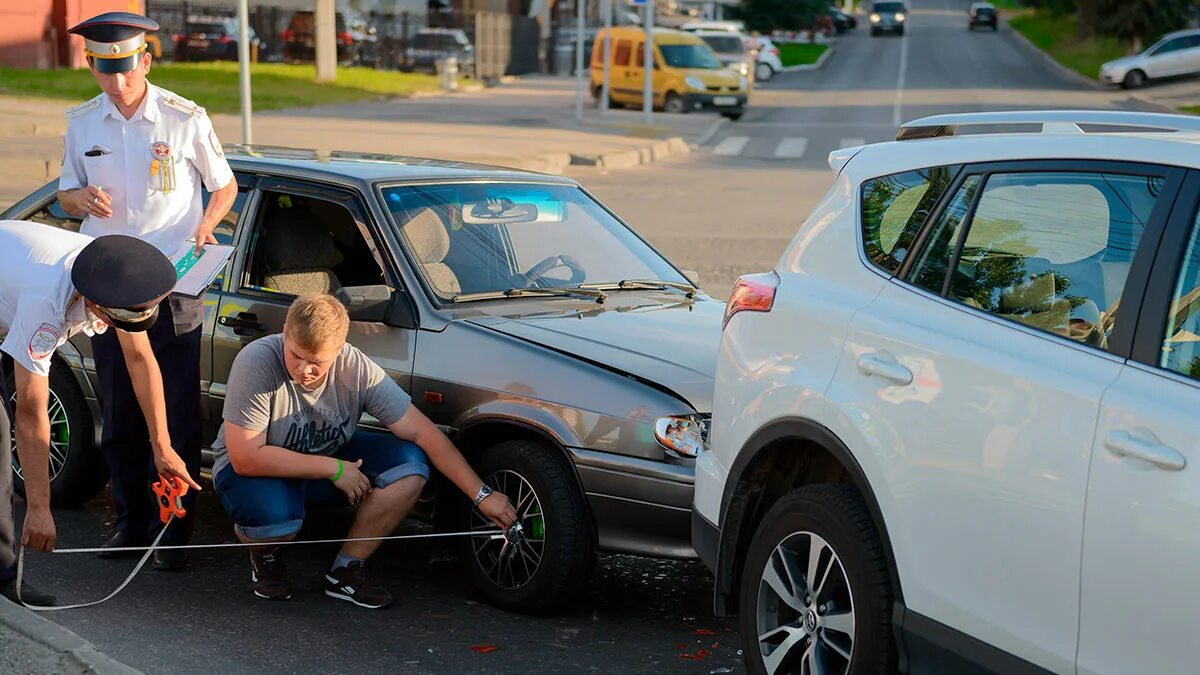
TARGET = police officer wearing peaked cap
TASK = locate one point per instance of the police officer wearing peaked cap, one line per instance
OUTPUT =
(135, 160)
(53, 285)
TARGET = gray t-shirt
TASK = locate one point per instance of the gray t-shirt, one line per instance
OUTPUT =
(261, 396)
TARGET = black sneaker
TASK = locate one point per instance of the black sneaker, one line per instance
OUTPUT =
(29, 594)
(269, 575)
(121, 539)
(352, 584)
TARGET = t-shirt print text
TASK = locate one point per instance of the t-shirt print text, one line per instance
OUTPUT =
(307, 438)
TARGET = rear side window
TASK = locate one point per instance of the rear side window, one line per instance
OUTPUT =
(621, 53)
(893, 210)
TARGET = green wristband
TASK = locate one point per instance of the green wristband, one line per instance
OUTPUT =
(338, 475)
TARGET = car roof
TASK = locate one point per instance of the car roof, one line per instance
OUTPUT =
(662, 36)
(359, 167)
(715, 33)
(1178, 33)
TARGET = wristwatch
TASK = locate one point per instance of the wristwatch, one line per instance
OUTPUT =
(483, 493)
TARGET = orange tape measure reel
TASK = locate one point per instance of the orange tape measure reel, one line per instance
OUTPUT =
(170, 494)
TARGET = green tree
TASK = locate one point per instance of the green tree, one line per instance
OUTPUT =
(788, 15)
(1140, 21)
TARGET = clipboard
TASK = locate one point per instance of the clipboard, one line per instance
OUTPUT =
(195, 273)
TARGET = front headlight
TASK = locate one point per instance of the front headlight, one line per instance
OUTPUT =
(694, 82)
(899, 17)
(682, 436)
(743, 68)
(874, 18)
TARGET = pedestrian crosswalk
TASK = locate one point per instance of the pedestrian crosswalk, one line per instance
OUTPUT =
(792, 148)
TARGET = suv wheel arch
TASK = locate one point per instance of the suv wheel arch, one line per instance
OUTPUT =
(808, 453)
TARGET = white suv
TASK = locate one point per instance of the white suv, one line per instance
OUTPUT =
(957, 428)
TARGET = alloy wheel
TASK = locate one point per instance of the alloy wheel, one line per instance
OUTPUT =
(805, 611)
(512, 565)
(60, 437)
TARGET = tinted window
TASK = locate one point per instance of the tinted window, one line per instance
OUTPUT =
(689, 56)
(724, 44)
(621, 53)
(226, 230)
(1051, 250)
(1181, 343)
(930, 271)
(1172, 46)
(888, 7)
(894, 208)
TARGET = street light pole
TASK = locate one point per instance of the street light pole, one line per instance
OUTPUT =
(608, 22)
(648, 62)
(244, 67)
(579, 59)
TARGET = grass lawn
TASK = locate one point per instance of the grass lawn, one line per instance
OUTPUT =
(797, 54)
(215, 85)
(1055, 35)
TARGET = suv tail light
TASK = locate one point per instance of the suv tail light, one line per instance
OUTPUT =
(345, 38)
(286, 35)
(178, 37)
(225, 39)
(775, 51)
(752, 293)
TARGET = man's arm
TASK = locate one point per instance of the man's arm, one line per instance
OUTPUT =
(147, 385)
(33, 448)
(86, 201)
(218, 206)
(251, 456)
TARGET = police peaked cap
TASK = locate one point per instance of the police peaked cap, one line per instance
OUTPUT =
(126, 277)
(115, 40)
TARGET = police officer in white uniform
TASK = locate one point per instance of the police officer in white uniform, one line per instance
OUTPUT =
(54, 284)
(135, 160)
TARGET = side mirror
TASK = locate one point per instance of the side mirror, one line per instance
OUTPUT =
(692, 276)
(377, 303)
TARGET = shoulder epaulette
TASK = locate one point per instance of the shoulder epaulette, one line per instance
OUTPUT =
(84, 107)
(184, 106)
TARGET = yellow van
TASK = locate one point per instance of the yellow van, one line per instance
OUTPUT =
(687, 75)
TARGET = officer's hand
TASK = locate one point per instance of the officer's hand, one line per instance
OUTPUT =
(204, 236)
(93, 201)
(38, 532)
(353, 482)
(496, 508)
(170, 466)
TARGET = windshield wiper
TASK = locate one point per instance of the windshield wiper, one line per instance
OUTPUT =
(544, 292)
(644, 284)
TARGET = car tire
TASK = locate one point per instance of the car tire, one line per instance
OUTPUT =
(874, 33)
(732, 116)
(77, 469)
(832, 520)
(763, 72)
(900, 31)
(673, 103)
(1134, 79)
(567, 553)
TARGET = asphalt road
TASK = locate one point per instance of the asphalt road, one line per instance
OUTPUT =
(730, 208)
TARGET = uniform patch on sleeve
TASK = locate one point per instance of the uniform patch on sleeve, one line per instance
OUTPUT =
(215, 142)
(44, 341)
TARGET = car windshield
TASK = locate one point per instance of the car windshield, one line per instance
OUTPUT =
(985, 10)
(888, 7)
(210, 27)
(434, 41)
(689, 56)
(483, 238)
(722, 43)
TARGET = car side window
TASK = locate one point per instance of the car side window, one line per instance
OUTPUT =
(54, 215)
(304, 244)
(934, 264)
(226, 231)
(1181, 341)
(1052, 250)
(1172, 46)
(621, 53)
(893, 210)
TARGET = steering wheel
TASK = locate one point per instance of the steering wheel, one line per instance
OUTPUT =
(535, 273)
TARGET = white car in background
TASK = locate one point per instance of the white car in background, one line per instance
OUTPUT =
(726, 26)
(957, 422)
(768, 62)
(1174, 55)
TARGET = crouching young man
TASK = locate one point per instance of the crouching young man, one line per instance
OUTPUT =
(289, 438)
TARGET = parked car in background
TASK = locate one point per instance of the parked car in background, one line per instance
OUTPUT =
(888, 17)
(767, 60)
(983, 14)
(1174, 55)
(209, 39)
(688, 77)
(842, 21)
(963, 407)
(569, 360)
(730, 49)
(356, 41)
(726, 26)
(431, 45)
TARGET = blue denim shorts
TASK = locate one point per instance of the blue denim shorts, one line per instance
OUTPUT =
(264, 508)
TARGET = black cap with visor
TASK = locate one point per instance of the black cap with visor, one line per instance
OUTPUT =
(125, 278)
(114, 41)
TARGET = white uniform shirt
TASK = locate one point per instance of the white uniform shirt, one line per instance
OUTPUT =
(39, 309)
(124, 151)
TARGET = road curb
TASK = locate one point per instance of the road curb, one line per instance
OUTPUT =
(830, 48)
(60, 640)
(627, 159)
(1064, 72)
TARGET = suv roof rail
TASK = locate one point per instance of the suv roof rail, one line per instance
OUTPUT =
(1051, 121)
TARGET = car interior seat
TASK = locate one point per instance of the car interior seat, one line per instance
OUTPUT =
(430, 241)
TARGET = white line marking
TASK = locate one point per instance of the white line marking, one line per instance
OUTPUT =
(732, 145)
(852, 142)
(792, 148)
(900, 79)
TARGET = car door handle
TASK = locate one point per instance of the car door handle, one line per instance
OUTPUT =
(885, 367)
(243, 323)
(1124, 444)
